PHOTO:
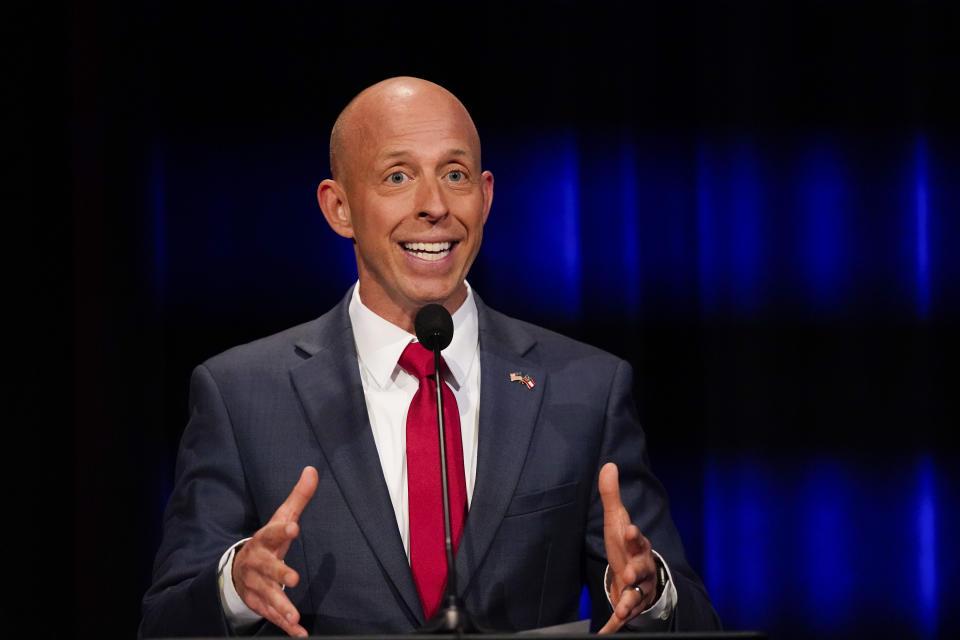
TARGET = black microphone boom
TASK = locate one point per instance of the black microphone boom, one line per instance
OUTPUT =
(434, 328)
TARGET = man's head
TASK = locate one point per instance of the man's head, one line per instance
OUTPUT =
(408, 188)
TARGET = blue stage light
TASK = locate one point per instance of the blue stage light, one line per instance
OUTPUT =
(921, 214)
(926, 548)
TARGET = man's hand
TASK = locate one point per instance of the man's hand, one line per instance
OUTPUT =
(629, 555)
(259, 573)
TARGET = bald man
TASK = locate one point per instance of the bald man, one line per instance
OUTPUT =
(292, 507)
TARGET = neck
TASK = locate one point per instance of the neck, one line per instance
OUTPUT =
(403, 312)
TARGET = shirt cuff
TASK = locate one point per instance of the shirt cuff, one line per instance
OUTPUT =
(657, 616)
(238, 614)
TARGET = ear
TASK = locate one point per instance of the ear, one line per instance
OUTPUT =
(486, 184)
(333, 203)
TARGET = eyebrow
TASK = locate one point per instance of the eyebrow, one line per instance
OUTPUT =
(402, 153)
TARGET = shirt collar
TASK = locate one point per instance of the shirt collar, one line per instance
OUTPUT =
(380, 342)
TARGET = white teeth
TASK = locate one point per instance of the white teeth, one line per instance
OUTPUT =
(428, 250)
(427, 246)
(423, 255)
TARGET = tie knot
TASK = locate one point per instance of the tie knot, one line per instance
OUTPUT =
(417, 360)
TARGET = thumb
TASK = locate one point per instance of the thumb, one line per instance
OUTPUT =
(615, 518)
(609, 485)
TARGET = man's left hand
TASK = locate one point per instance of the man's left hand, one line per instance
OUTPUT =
(629, 554)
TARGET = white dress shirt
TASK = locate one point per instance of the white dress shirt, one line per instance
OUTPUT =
(388, 390)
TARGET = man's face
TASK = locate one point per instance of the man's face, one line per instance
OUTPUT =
(417, 202)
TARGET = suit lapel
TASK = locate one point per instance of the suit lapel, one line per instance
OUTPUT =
(329, 387)
(508, 414)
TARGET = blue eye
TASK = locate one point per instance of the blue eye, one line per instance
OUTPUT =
(397, 177)
(455, 176)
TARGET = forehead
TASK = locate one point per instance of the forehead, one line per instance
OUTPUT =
(416, 128)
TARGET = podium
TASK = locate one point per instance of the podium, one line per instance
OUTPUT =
(561, 632)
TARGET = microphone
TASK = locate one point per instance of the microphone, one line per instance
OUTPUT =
(434, 328)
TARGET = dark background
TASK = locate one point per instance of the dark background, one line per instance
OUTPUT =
(754, 203)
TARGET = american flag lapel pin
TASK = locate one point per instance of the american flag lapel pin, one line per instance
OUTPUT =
(525, 379)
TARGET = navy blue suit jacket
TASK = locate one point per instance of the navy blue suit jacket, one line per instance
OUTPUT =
(261, 412)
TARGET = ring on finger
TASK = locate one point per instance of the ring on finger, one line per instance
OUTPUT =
(633, 587)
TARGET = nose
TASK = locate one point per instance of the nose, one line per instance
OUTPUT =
(431, 203)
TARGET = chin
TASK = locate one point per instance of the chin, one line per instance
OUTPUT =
(435, 294)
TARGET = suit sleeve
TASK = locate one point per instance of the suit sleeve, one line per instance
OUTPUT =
(646, 501)
(208, 511)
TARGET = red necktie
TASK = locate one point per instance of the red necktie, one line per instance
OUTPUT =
(427, 555)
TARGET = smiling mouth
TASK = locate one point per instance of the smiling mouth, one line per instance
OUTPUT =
(428, 250)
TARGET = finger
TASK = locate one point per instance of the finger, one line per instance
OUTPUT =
(629, 604)
(613, 625)
(286, 576)
(277, 571)
(274, 535)
(616, 622)
(288, 625)
(609, 485)
(267, 564)
(638, 570)
(293, 506)
(636, 543)
(626, 576)
(266, 598)
(288, 622)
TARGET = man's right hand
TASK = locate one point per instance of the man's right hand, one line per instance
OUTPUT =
(259, 573)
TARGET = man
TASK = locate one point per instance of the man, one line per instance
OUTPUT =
(328, 409)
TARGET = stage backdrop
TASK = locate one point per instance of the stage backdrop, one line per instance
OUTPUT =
(755, 205)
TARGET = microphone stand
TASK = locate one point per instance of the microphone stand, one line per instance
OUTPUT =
(452, 616)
